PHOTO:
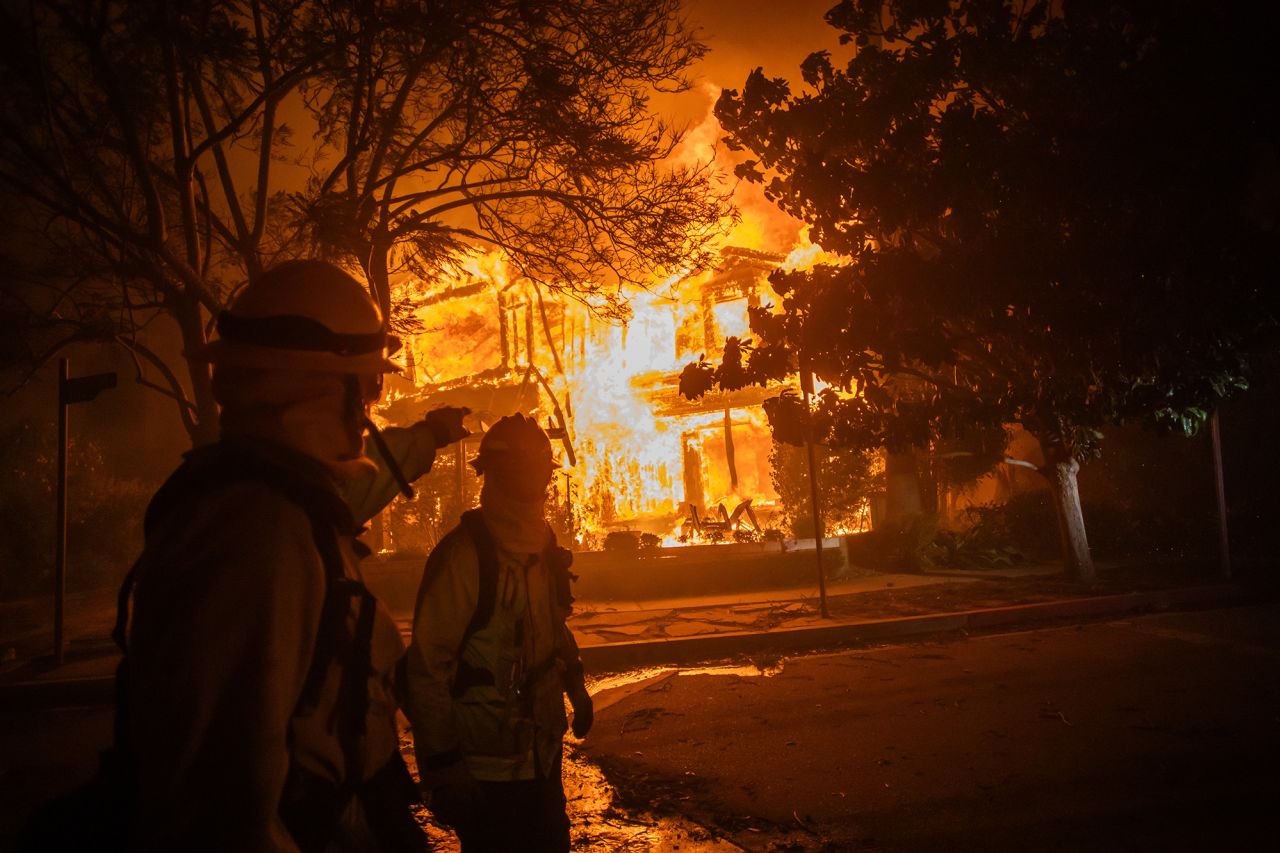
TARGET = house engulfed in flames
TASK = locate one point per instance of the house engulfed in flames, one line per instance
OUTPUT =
(635, 455)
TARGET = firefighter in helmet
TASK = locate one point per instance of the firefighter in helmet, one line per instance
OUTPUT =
(491, 658)
(257, 709)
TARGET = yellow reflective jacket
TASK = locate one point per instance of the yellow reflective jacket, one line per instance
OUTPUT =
(494, 698)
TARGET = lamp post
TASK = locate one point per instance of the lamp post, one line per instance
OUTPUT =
(1219, 481)
(82, 389)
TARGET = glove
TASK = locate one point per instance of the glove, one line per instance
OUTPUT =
(584, 713)
(445, 424)
(456, 798)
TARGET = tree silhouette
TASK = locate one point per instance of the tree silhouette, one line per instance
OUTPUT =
(523, 126)
(138, 147)
(148, 170)
(1055, 214)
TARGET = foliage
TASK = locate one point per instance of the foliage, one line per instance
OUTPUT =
(622, 541)
(1025, 525)
(1026, 522)
(919, 542)
(1053, 214)
(130, 198)
(104, 513)
(144, 157)
(416, 526)
(970, 549)
(1047, 211)
(846, 481)
(521, 125)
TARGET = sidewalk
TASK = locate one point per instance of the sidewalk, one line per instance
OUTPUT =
(873, 608)
(864, 609)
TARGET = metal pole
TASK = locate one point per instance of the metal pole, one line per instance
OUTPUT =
(1224, 538)
(60, 533)
(806, 388)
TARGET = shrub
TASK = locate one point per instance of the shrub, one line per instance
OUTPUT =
(846, 481)
(104, 513)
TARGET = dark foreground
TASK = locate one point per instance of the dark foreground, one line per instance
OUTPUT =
(1155, 733)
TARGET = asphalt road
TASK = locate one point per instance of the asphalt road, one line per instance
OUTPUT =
(1154, 733)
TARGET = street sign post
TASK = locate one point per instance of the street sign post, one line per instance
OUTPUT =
(1219, 481)
(81, 389)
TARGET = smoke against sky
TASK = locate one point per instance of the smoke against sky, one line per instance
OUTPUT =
(746, 34)
(742, 36)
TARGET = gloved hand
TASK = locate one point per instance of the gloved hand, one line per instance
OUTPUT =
(584, 713)
(456, 798)
(445, 424)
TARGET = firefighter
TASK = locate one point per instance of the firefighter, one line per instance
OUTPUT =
(256, 705)
(491, 659)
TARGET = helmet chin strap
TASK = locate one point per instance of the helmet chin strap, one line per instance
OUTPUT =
(355, 410)
(392, 465)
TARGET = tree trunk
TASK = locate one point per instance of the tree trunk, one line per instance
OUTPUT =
(379, 276)
(1062, 471)
(204, 429)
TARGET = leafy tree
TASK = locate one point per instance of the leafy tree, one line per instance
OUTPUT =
(138, 149)
(847, 480)
(524, 126)
(143, 156)
(1057, 214)
(104, 520)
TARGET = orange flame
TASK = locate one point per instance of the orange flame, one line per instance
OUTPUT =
(640, 453)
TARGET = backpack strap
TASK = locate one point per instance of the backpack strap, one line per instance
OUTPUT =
(487, 555)
(558, 561)
(465, 675)
(473, 526)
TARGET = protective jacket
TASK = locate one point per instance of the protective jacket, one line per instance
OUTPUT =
(240, 692)
(488, 687)
(413, 449)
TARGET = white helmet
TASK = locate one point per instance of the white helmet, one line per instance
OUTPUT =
(303, 315)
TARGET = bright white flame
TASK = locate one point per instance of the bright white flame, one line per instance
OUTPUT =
(638, 464)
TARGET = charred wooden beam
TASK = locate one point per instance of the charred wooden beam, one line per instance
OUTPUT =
(729, 453)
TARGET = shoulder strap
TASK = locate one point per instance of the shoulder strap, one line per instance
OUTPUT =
(472, 526)
(559, 560)
(487, 555)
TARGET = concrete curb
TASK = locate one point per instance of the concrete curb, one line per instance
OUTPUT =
(58, 692)
(612, 657)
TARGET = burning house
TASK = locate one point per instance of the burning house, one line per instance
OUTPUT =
(636, 457)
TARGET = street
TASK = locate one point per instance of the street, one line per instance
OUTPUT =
(1155, 733)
